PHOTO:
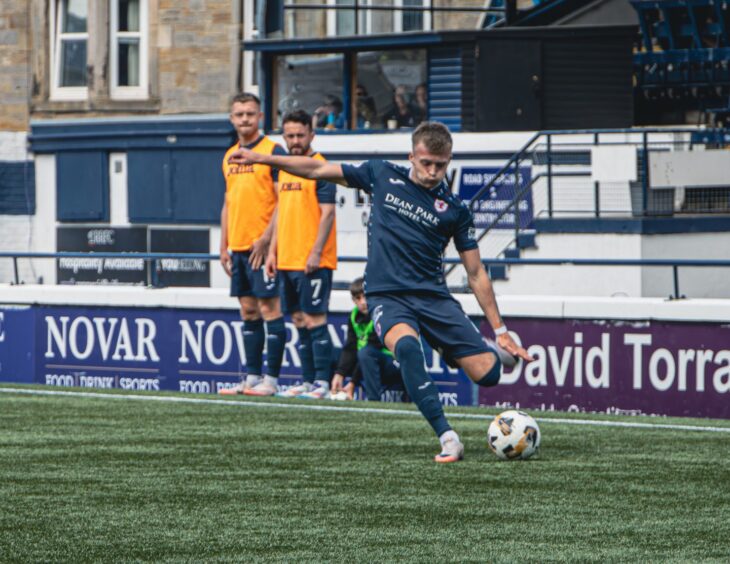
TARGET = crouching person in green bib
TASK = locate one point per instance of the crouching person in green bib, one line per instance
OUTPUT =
(364, 357)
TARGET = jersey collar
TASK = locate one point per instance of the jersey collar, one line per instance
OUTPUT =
(252, 145)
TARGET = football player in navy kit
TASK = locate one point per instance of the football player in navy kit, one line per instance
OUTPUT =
(414, 216)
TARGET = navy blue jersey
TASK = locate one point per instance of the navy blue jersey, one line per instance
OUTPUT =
(409, 228)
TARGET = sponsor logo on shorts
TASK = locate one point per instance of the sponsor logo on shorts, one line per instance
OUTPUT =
(376, 315)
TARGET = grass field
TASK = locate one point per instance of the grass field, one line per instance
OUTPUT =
(89, 478)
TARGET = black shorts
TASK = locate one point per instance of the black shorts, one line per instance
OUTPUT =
(439, 319)
(309, 293)
(245, 281)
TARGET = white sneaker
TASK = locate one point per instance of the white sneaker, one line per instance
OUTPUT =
(252, 380)
(295, 391)
(452, 450)
(508, 360)
(320, 390)
(264, 388)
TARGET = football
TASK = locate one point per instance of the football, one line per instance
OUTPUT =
(514, 435)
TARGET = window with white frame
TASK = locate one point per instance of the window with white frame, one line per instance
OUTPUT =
(371, 21)
(342, 21)
(413, 20)
(128, 49)
(69, 46)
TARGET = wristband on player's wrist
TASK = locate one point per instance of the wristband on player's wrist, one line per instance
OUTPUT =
(500, 330)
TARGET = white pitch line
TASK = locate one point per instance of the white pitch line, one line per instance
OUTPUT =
(314, 407)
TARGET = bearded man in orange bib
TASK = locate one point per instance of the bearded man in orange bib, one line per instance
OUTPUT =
(303, 252)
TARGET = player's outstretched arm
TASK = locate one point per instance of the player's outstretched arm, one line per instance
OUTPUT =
(481, 285)
(305, 167)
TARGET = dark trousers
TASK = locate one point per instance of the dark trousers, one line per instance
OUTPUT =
(378, 370)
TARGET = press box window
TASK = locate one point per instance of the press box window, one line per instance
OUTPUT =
(313, 83)
(391, 89)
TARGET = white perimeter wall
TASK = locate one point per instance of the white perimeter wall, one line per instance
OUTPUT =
(29, 233)
(628, 281)
(38, 233)
(556, 307)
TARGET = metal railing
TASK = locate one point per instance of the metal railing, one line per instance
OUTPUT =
(152, 258)
(358, 8)
(550, 176)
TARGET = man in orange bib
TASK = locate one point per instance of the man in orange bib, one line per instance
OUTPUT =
(246, 227)
(304, 252)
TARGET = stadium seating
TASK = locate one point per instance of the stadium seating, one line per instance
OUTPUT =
(684, 55)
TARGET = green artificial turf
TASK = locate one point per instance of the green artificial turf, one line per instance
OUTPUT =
(91, 479)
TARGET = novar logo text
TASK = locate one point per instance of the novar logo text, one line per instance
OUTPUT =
(202, 342)
(104, 335)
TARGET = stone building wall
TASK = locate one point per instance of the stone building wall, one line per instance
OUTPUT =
(198, 53)
(14, 61)
(194, 60)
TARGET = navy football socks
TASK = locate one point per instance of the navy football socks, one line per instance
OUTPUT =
(419, 384)
(253, 343)
(321, 352)
(305, 354)
(275, 343)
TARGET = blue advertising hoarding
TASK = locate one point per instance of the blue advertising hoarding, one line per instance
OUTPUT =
(17, 338)
(189, 350)
(501, 194)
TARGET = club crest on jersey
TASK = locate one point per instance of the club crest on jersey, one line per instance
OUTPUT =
(440, 206)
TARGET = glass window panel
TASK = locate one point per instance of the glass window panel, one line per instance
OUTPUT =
(391, 89)
(345, 18)
(73, 63)
(304, 23)
(412, 20)
(74, 16)
(458, 20)
(313, 83)
(128, 62)
(128, 15)
(382, 21)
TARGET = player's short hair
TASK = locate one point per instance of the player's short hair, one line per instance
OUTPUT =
(297, 116)
(435, 136)
(243, 97)
(357, 287)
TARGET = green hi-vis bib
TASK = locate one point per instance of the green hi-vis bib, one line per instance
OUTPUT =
(363, 331)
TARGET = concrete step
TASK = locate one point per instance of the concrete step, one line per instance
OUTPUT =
(498, 272)
(526, 240)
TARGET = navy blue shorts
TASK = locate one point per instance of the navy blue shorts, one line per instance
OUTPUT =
(438, 319)
(309, 293)
(245, 281)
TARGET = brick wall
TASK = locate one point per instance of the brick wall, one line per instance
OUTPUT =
(14, 60)
(197, 43)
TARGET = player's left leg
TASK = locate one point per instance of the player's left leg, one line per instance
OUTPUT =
(314, 295)
(266, 291)
(395, 318)
(403, 340)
